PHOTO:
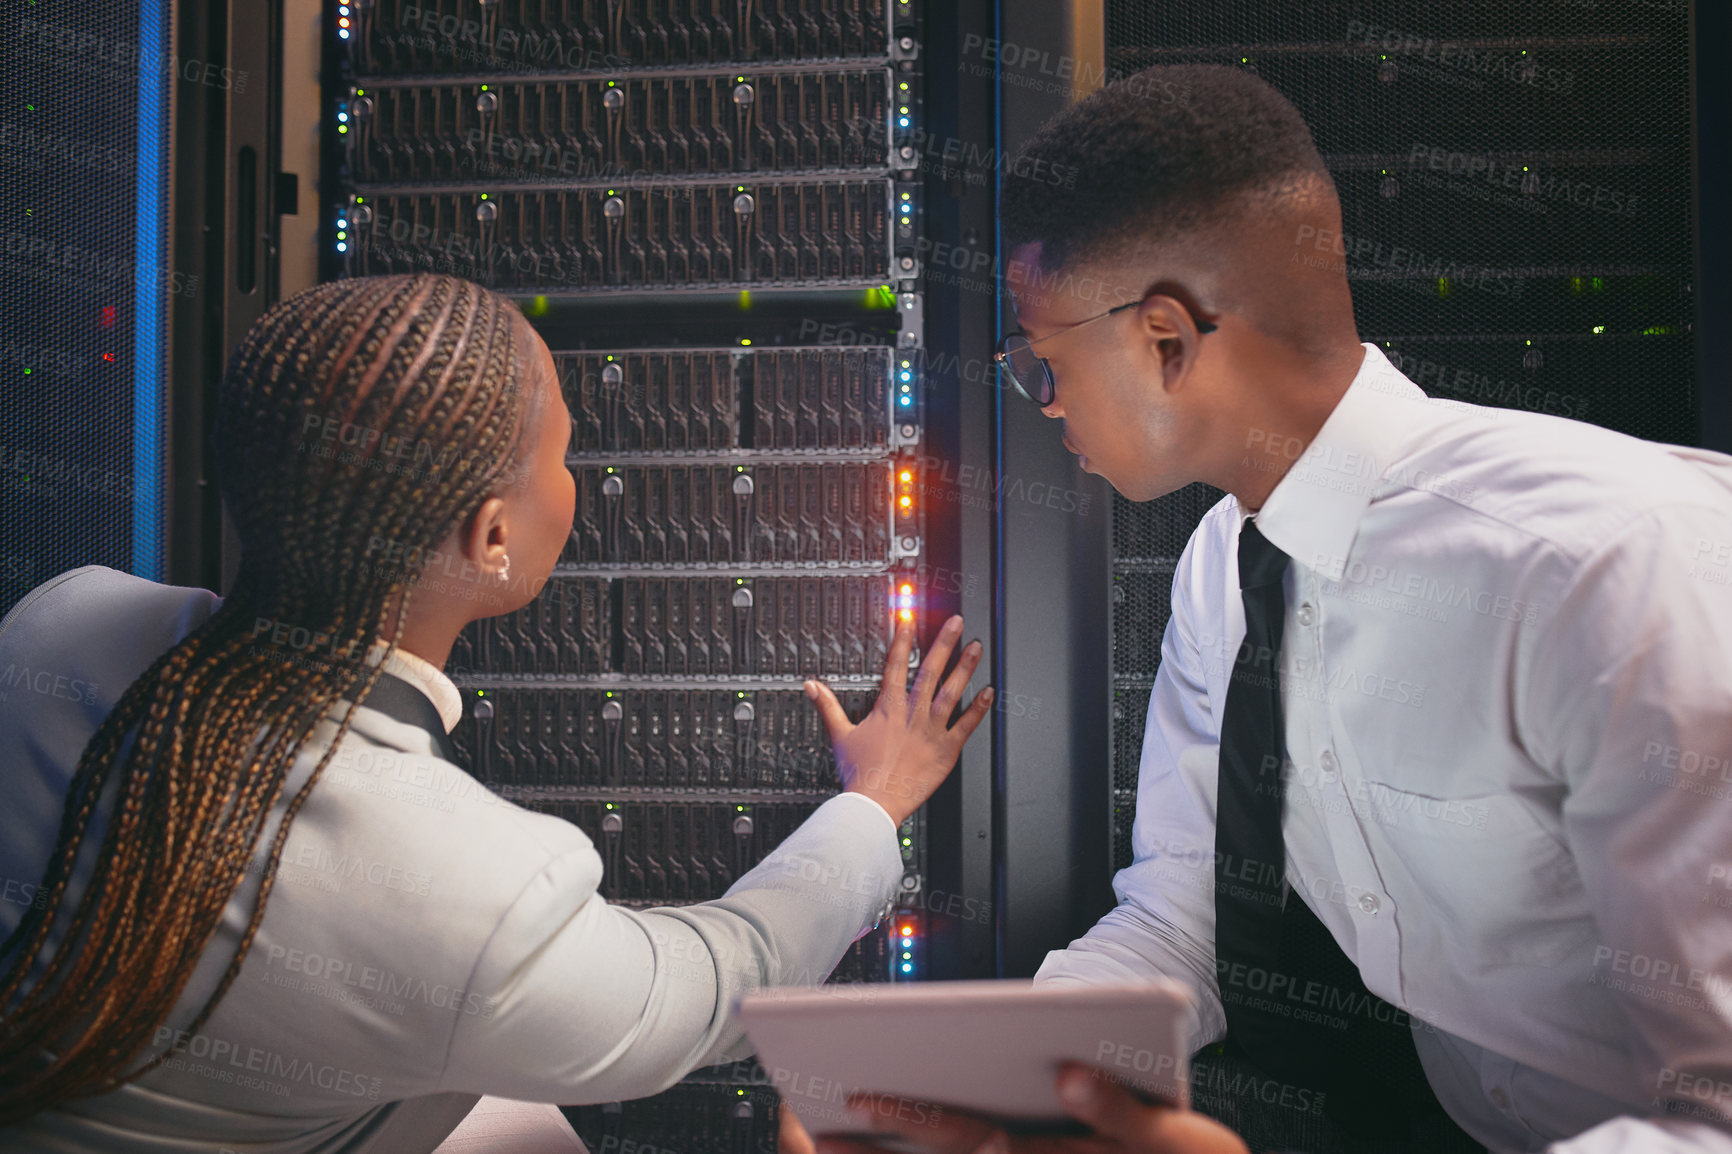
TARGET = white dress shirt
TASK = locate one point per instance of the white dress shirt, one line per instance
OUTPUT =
(426, 942)
(1506, 679)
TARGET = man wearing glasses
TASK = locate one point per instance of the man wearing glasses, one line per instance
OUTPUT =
(1435, 812)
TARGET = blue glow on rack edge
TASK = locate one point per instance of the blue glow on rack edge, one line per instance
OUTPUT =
(147, 312)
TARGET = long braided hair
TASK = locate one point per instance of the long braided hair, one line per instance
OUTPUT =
(418, 375)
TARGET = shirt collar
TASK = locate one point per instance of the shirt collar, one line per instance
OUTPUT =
(426, 677)
(1313, 513)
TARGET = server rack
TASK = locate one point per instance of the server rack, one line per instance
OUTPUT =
(87, 431)
(713, 214)
(1582, 284)
(1543, 186)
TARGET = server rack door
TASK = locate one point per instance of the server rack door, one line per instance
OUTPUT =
(91, 284)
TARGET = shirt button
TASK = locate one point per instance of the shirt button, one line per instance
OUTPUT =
(1369, 903)
(1326, 761)
(1499, 1098)
(1306, 614)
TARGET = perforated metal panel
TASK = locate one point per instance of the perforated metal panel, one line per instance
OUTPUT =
(82, 289)
(1147, 540)
(1515, 180)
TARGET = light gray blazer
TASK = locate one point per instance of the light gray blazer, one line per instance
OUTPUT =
(426, 942)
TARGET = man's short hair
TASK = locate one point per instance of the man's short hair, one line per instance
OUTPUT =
(1157, 154)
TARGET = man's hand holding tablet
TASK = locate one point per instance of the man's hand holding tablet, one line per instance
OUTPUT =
(945, 1066)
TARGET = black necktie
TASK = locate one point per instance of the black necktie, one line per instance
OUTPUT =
(1250, 855)
(400, 701)
(1294, 1002)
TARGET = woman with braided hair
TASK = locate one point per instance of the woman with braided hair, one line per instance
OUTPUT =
(251, 903)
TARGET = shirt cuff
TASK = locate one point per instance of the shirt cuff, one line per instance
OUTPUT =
(862, 798)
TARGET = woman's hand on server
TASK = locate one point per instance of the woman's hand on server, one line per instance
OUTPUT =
(900, 752)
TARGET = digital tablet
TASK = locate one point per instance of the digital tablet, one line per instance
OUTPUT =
(990, 1048)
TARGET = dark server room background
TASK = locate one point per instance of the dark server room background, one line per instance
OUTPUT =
(758, 236)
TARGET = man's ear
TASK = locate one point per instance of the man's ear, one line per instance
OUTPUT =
(1172, 329)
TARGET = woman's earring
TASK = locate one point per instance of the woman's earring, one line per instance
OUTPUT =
(504, 573)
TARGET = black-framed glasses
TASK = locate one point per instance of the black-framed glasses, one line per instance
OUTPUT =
(1030, 372)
